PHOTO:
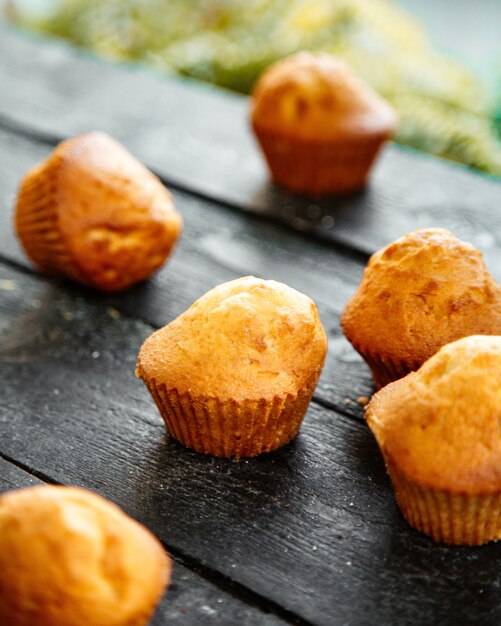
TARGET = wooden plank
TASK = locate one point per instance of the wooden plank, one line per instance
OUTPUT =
(218, 245)
(12, 477)
(313, 527)
(199, 138)
(191, 599)
(213, 235)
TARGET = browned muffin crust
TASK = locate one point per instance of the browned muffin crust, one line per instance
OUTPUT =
(421, 292)
(320, 126)
(233, 375)
(439, 432)
(317, 97)
(93, 213)
(71, 558)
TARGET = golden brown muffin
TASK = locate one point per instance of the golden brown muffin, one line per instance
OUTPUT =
(439, 430)
(418, 294)
(71, 558)
(234, 374)
(93, 213)
(319, 126)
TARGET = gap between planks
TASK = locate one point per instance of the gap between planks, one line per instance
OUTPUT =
(26, 270)
(359, 253)
(222, 582)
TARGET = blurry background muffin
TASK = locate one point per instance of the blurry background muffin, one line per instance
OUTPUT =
(444, 108)
(71, 558)
(234, 374)
(320, 127)
(439, 432)
(93, 213)
(421, 292)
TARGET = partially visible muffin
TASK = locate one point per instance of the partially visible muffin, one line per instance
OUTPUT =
(234, 374)
(93, 213)
(320, 126)
(71, 558)
(439, 430)
(421, 292)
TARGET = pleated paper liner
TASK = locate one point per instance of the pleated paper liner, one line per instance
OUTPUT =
(227, 428)
(37, 222)
(318, 168)
(460, 519)
(385, 370)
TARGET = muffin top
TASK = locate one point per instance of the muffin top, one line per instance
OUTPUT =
(419, 293)
(68, 556)
(315, 96)
(245, 339)
(441, 426)
(116, 219)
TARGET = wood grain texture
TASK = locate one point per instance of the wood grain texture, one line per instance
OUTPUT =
(199, 138)
(12, 477)
(219, 245)
(190, 600)
(313, 527)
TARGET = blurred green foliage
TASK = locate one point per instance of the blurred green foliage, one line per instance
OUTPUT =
(443, 108)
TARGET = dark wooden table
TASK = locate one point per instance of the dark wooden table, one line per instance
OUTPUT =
(307, 535)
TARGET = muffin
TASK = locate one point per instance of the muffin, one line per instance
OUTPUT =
(418, 294)
(71, 558)
(439, 432)
(234, 374)
(93, 213)
(319, 126)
